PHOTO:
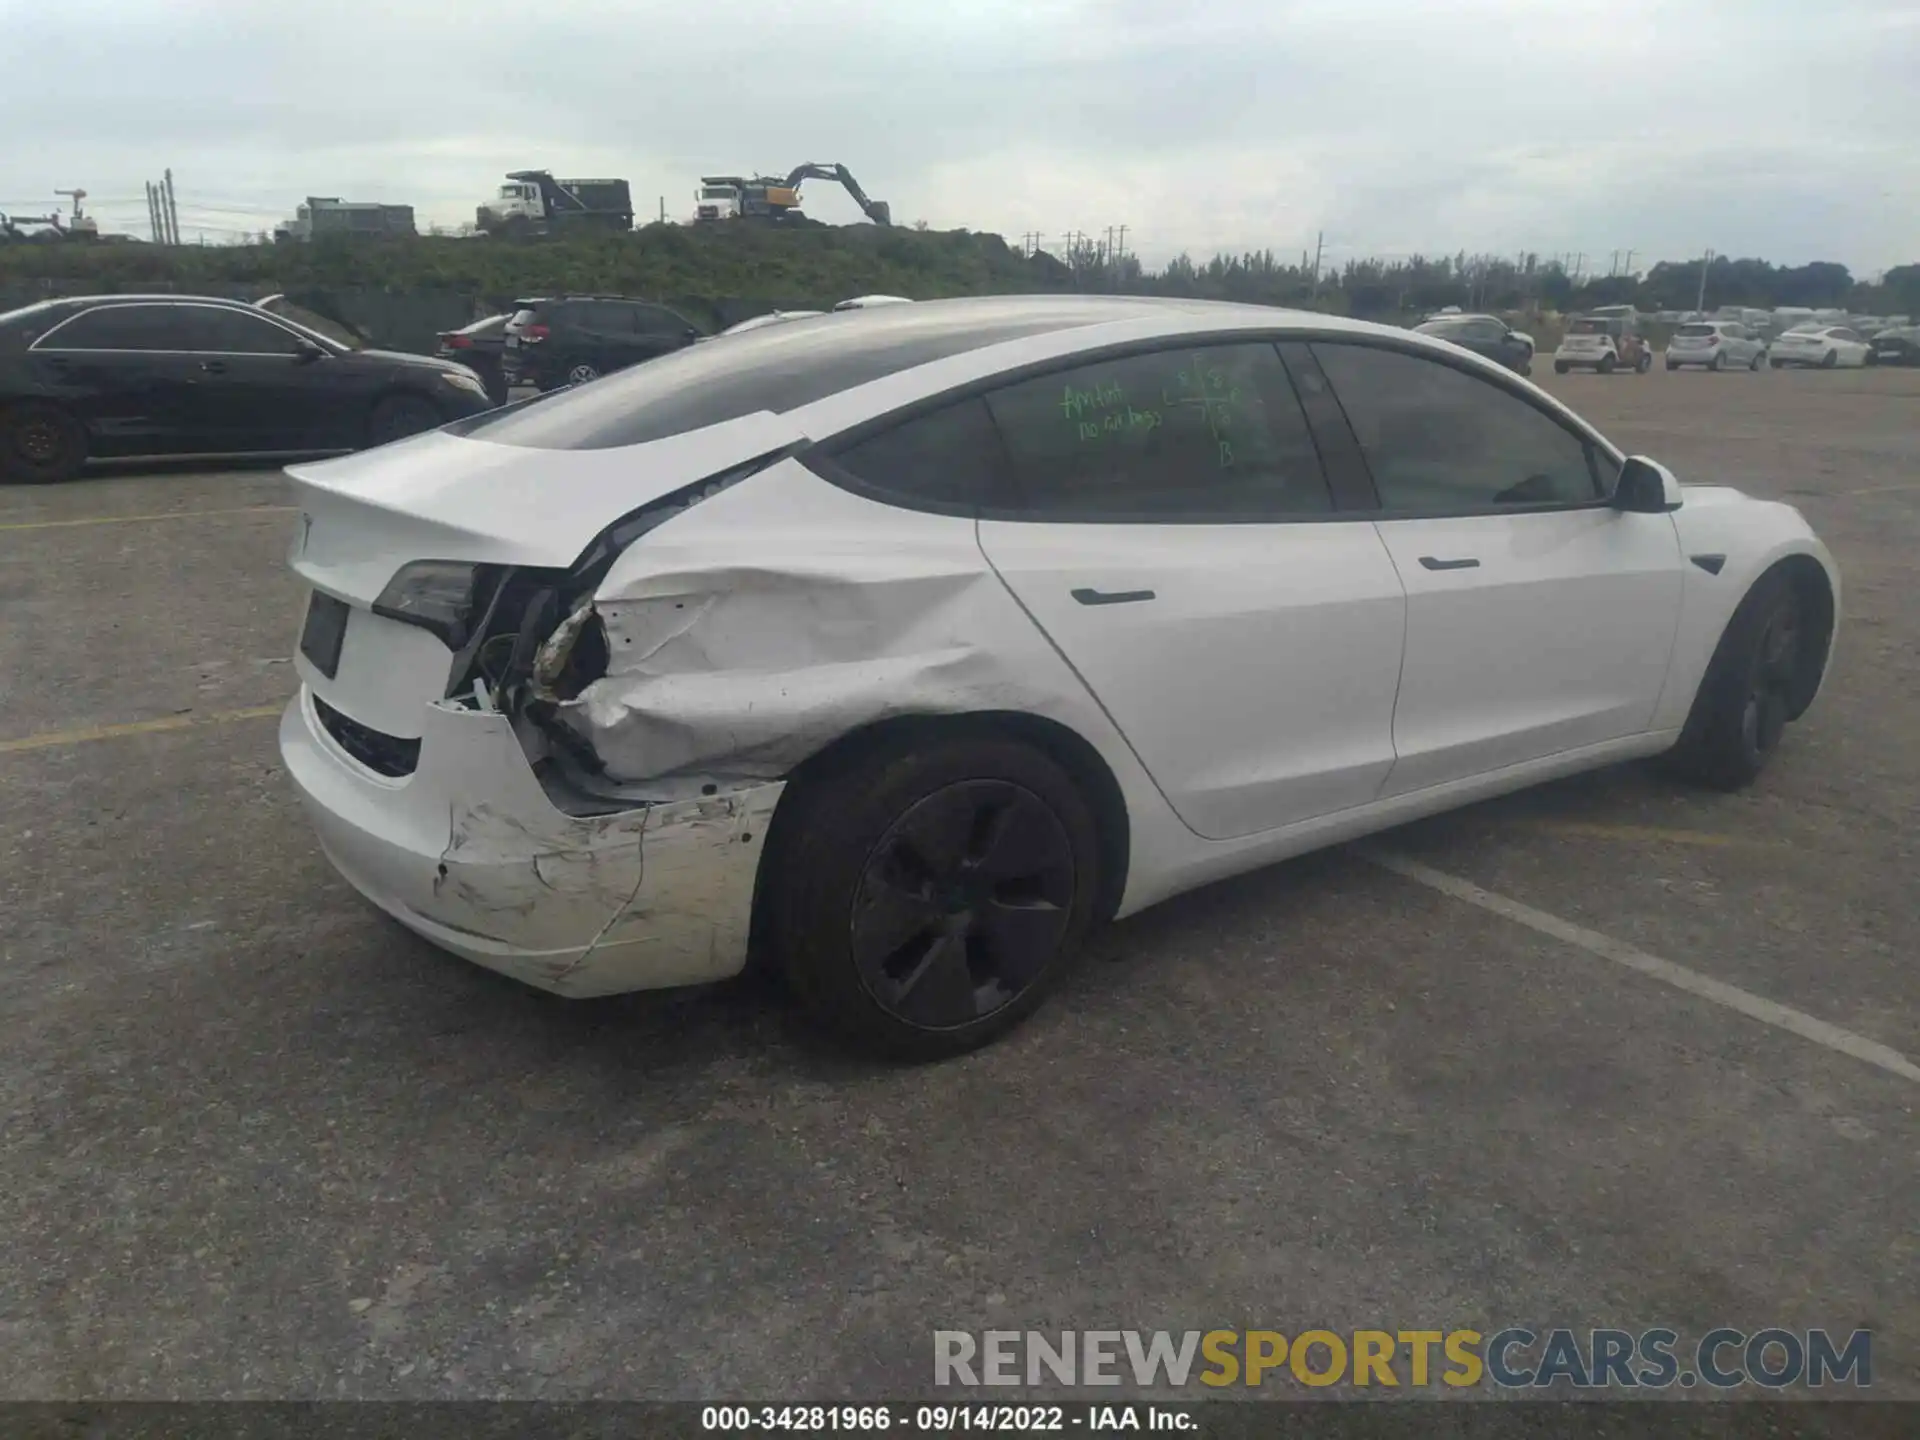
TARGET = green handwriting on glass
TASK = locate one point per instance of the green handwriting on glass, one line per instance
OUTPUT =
(1116, 422)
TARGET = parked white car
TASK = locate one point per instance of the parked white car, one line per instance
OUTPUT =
(1603, 343)
(867, 302)
(900, 651)
(1716, 345)
(1827, 346)
(772, 317)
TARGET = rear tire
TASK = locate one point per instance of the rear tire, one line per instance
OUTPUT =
(1606, 364)
(924, 895)
(1717, 363)
(581, 372)
(1744, 701)
(398, 416)
(1754, 364)
(40, 444)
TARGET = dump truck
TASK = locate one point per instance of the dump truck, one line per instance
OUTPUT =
(533, 202)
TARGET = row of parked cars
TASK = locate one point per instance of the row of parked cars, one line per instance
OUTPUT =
(136, 377)
(1611, 340)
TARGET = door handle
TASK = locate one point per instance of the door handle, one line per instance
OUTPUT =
(214, 367)
(1111, 597)
(1432, 564)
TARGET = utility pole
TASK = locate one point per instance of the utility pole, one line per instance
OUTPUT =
(1579, 264)
(153, 215)
(1628, 269)
(173, 212)
(1700, 302)
(663, 209)
(1319, 243)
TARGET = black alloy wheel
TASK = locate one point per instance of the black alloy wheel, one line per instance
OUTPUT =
(963, 904)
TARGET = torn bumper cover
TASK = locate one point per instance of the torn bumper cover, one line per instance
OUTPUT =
(470, 852)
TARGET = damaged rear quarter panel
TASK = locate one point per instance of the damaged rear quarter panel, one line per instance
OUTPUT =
(765, 623)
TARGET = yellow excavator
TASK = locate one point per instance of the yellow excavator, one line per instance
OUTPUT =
(773, 200)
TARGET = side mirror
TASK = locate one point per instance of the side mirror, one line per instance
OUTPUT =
(307, 352)
(1646, 487)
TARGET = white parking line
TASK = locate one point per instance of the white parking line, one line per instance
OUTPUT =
(1755, 1007)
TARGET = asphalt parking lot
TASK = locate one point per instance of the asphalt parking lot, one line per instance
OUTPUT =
(262, 1143)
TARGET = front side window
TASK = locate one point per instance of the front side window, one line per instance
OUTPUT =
(1193, 434)
(121, 327)
(1442, 442)
(234, 332)
(660, 323)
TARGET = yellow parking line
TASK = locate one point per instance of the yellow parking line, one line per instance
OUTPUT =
(53, 739)
(1643, 834)
(134, 519)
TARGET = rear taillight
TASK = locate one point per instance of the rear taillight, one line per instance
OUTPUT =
(457, 342)
(436, 595)
(533, 332)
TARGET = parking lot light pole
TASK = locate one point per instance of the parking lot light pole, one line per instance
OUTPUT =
(1700, 301)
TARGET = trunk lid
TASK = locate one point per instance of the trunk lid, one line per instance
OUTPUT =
(442, 496)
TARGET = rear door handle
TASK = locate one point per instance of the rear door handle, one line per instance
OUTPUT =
(214, 367)
(1433, 564)
(1111, 597)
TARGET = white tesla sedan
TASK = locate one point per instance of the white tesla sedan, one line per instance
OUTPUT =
(899, 648)
(1826, 346)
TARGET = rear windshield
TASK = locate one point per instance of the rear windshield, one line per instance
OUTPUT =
(775, 368)
(1697, 330)
(1588, 327)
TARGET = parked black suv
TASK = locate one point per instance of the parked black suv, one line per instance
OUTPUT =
(570, 339)
(137, 376)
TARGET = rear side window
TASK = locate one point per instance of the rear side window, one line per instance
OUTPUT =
(1442, 442)
(121, 327)
(1208, 433)
(948, 459)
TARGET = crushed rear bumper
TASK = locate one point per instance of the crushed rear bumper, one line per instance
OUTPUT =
(470, 852)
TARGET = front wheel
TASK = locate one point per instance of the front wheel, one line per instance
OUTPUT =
(398, 416)
(925, 894)
(40, 444)
(1644, 363)
(1606, 364)
(1758, 356)
(1829, 360)
(1560, 367)
(1742, 708)
(1717, 363)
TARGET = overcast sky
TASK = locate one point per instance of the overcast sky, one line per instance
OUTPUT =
(1786, 129)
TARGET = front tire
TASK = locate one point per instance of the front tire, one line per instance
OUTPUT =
(1606, 364)
(1758, 356)
(40, 444)
(1829, 360)
(398, 416)
(1745, 699)
(1717, 363)
(926, 894)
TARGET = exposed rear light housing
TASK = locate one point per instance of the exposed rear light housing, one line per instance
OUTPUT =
(533, 332)
(457, 342)
(439, 596)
